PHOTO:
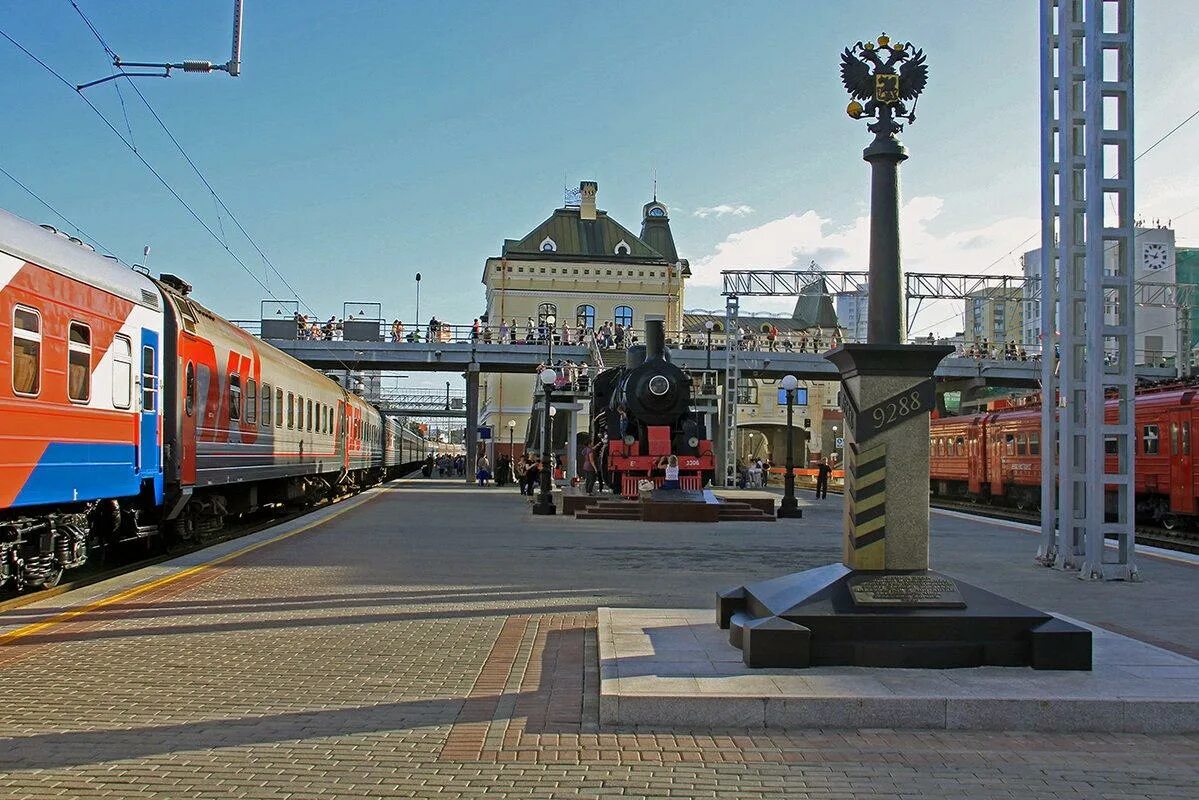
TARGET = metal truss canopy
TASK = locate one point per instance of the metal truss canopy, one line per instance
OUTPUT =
(933, 286)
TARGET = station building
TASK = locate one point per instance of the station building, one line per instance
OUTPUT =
(582, 267)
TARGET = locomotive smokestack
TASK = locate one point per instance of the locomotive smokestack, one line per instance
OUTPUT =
(655, 338)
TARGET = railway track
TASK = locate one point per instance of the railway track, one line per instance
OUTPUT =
(103, 569)
(1183, 541)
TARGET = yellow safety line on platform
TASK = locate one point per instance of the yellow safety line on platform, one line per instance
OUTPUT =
(140, 589)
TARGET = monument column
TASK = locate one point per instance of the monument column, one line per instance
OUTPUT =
(882, 606)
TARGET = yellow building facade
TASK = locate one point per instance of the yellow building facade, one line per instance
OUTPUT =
(584, 269)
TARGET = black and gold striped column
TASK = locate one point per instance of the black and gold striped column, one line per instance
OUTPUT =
(866, 506)
(887, 392)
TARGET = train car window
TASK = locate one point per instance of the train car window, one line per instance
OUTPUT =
(234, 398)
(291, 410)
(265, 417)
(1021, 445)
(79, 362)
(1186, 438)
(1034, 444)
(189, 389)
(1009, 443)
(122, 372)
(1150, 434)
(1174, 438)
(309, 415)
(278, 408)
(149, 381)
(1111, 445)
(27, 351)
(251, 400)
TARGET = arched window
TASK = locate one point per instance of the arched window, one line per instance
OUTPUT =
(546, 310)
(622, 248)
(585, 316)
(548, 245)
(624, 316)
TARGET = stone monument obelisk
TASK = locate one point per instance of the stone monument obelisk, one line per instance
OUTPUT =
(883, 606)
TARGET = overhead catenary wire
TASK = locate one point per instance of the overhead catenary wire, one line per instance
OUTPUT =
(82, 234)
(191, 211)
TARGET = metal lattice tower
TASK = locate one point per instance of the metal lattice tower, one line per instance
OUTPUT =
(732, 379)
(1087, 254)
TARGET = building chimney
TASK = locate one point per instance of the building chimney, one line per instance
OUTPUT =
(587, 190)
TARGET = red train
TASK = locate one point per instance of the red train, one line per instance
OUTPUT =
(996, 456)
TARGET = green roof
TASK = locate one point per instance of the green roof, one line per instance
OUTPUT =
(814, 306)
(593, 239)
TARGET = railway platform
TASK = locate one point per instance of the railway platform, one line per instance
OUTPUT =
(431, 639)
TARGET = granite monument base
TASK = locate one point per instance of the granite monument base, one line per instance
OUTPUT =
(834, 615)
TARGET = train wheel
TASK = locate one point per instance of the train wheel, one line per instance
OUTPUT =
(52, 579)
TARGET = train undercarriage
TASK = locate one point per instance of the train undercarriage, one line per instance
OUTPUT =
(1151, 509)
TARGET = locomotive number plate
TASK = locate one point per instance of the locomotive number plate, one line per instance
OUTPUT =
(900, 591)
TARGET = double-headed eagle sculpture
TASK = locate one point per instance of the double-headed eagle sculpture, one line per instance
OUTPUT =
(898, 77)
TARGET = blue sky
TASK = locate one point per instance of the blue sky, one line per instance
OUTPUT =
(366, 141)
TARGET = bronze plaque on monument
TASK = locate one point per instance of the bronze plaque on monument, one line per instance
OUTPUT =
(905, 590)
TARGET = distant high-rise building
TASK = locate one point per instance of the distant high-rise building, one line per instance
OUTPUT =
(992, 315)
(853, 314)
(1155, 260)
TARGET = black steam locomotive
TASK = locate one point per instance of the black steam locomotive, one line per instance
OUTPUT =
(644, 410)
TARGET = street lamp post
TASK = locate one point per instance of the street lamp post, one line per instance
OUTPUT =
(545, 501)
(550, 321)
(418, 302)
(447, 395)
(708, 326)
(789, 507)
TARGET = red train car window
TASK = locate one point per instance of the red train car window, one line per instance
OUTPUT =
(79, 362)
(189, 398)
(1174, 438)
(234, 398)
(27, 351)
(1150, 436)
(1034, 444)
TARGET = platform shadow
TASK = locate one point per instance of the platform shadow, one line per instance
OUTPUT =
(541, 709)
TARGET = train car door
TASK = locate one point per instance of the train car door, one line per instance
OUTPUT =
(1182, 494)
(148, 456)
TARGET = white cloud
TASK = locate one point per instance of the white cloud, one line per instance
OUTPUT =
(723, 210)
(793, 241)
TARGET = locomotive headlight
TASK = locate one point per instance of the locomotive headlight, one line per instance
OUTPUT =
(659, 385)
(693, 441)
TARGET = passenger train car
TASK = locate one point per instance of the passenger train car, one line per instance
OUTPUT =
(126, 408)
(996, 456)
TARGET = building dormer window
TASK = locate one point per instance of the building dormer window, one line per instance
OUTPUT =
(548, 245)
(622, 248)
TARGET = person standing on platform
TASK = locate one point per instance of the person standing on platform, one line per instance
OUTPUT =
(590, 467)
(822, 473)
(483, 474)
(521, 466)
(532, 478)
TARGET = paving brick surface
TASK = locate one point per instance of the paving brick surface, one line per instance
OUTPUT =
(440, 642)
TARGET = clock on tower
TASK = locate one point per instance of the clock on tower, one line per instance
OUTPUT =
(1155, 256)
